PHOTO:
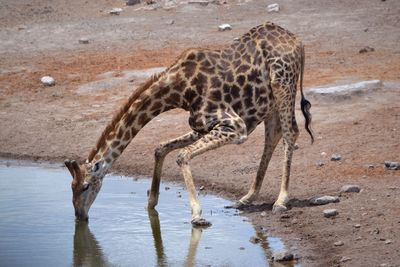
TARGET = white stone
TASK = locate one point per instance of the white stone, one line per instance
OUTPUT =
(116, 11)
(324, 200)
(48, 81)
(350, 189)
(353, 87)
(84, 41)
(323, 154)
(273, 8)
(330, 213)
(224, 27)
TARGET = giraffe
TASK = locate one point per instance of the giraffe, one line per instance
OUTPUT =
(228, 92)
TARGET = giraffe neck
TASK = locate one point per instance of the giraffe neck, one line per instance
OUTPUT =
(147, 102)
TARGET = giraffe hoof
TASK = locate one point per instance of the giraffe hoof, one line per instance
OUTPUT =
(237, 205)
(279, 209)
(200, 222)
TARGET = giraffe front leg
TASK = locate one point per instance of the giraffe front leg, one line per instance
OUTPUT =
(273, 134)
(160, 153)
(217, 137)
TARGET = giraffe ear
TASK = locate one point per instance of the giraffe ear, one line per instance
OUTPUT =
(73, 168)
(68, 163)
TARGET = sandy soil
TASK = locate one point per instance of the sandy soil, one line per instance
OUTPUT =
(40, 37)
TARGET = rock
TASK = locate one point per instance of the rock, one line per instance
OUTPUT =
(273, 8)
(336, 157)
(320, 163)
(255, 240)
(350, 189)
(324, 200)
(338, 243)
(388, 241)
(48, 81)
(199, 2)
(171, 22)
(357, 225)
(392, 165)
(167, 188)
(328, 213)
(366, 49)
(132, 2)
(224, 27)
(242, 248)
(201, 188)
(83, 41)
(296, 146)
(323, 154)
(263, 214)
(343, 92)
(282, 256)
(116, 11)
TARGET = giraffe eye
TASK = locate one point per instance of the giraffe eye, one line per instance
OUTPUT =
(96, 167)
(85, 187)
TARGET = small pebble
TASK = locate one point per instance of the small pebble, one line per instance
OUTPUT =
(201, 188)
(167, 188)
(273, 8)
(366, 49)
(48, 81)
(336, 157)
(324, 200)
(338, 243)
(224, 27)
(328, 213)
(132, 2)
(282, 256)
(323, 154)
(83, 41)
(263, 214)
(242, 248)
(116, 11)
(350, 189)
(357, 225)
(392, 165)
(387, 242)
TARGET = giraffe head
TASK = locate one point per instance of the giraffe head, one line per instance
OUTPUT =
(86, 183)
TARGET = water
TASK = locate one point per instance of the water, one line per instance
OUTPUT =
(37, 225)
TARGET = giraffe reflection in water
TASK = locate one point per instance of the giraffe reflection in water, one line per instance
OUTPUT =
(88, 252)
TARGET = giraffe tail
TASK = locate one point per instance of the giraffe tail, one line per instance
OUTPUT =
(305, 104)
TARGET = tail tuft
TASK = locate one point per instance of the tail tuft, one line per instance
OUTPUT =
(305, 108)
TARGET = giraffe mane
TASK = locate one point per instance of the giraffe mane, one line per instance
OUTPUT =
(117, 116)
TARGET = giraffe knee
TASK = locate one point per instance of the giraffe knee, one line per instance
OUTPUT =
(183, 158)
(159, 152)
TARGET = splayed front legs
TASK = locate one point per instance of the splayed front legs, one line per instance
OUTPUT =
(217, 137)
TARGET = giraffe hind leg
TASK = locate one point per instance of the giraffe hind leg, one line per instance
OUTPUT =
(285, 96)
(219, 136)
(160, 153)
(273, 134)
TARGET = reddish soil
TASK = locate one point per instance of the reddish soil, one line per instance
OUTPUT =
(54, 123)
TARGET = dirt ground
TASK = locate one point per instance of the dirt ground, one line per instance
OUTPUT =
(40, 37)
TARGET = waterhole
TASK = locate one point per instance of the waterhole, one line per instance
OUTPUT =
(37, 225)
